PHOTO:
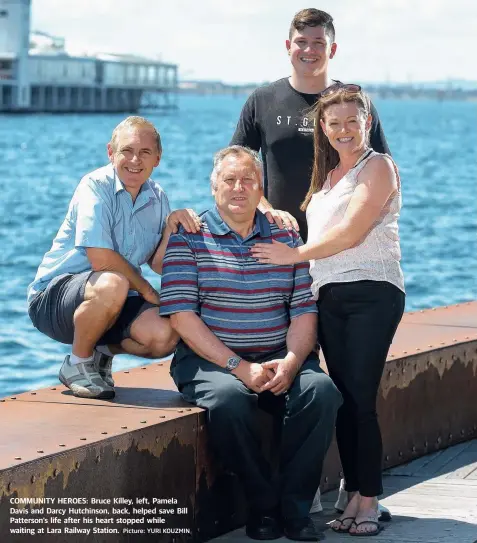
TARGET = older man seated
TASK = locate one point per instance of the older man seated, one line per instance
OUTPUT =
(248, 333)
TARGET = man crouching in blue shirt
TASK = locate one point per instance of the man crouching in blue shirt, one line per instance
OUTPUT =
(248, 333)
(89, 291)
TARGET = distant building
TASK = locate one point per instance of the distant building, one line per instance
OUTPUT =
(216, 87)
(37, 73)
(438, 90)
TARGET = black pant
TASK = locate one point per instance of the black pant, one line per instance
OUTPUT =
(308, 411)
(356, 324)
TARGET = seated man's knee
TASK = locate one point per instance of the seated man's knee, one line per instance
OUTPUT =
(230, 400)
(109, 288)
(327, 395)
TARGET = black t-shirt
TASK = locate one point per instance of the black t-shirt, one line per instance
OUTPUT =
(274, 119)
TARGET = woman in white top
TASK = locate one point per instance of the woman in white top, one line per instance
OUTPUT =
(352, 209)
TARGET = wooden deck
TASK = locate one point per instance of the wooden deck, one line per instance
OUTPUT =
(433, 499)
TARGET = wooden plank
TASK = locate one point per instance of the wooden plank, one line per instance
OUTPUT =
(421, 531)
(425, 508)
(400, 483)
(443, 487)
(438, 465)
(443, 479)
(472, 476)
(439, 506)
(425, 465)
(472, 446)
(411, 468)
(467, 464)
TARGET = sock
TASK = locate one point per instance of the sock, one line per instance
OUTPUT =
(104, 349)
(78, 360)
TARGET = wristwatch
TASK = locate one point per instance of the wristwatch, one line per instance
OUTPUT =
(232, 363)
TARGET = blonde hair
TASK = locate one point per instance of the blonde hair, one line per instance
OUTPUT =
(132, 122)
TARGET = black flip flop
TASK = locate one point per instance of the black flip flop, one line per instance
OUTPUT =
(366, 534)
(384, 516)
(338, 530)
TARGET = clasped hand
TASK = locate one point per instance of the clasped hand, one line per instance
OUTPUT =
(274, 375)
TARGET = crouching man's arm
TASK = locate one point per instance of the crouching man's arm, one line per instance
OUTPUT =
(94, 234)
(191, 222)
(301, 340)
(206, 344)
(108, 260)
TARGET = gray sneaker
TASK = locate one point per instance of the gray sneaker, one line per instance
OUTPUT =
(84, 380)
(104, 365)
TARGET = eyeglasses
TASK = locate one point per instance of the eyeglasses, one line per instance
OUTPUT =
(350, 87)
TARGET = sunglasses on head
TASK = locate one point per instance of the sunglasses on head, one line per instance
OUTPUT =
(350, 87)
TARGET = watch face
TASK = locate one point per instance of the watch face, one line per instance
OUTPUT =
(232, 363)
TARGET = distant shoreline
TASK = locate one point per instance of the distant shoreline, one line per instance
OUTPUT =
(387, 93)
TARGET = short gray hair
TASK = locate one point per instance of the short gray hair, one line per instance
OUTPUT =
(235, 150)
(135, 121)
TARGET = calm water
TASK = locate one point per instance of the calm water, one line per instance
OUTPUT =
(45, 156)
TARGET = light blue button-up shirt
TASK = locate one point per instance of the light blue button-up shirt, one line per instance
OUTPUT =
(102, 214)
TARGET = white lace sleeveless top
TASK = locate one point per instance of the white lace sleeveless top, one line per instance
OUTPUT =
(376, 257)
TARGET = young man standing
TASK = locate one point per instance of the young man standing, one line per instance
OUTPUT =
(275, 121)
(274, 118)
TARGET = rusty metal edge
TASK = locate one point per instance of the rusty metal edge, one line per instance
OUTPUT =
(447, 368)
(74, 472)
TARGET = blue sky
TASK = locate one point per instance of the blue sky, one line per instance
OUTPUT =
(244, 41)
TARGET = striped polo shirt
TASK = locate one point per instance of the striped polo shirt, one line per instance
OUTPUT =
(246, 304)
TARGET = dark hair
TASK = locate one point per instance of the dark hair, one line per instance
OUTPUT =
(313, 17)
(326, 157)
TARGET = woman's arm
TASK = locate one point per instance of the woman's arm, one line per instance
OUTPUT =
(377, 182)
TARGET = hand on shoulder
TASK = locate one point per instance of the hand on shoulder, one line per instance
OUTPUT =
(282, 219)
(188, 218)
